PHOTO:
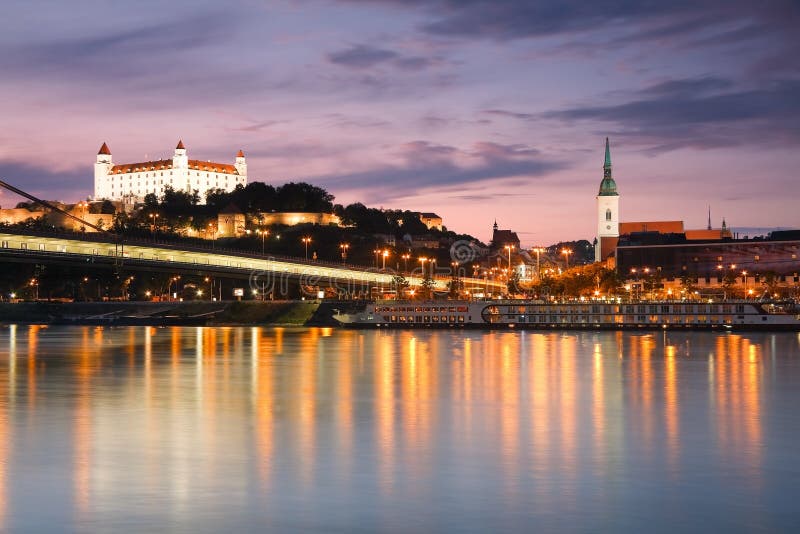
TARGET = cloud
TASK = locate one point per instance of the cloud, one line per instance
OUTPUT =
(769, 28)
(121, 54)
(155, 64)
(424, 165)
(700, 113)
(513, 19)
(47, 184)
(365, 56)
(257, 126)
(361, 56)
(510, 114)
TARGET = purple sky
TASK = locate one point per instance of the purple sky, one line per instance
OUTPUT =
(474, 109)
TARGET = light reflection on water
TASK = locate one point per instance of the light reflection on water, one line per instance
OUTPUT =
(199, 429)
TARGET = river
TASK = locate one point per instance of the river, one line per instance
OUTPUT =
(324, 430)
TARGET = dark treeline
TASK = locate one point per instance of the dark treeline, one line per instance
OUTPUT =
(260, 197)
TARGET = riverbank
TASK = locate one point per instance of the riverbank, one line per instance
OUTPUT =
(289, 312)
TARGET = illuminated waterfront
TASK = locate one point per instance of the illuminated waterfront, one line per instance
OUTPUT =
(201, 429)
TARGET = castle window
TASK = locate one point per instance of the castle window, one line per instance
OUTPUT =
(608, 215)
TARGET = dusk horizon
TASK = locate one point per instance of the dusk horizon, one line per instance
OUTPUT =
(473, 110)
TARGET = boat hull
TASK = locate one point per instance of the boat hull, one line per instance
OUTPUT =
(599, 315)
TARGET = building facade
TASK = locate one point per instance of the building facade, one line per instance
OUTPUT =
(132, 181)
(294, 218)
(746, 264)
(431, 220)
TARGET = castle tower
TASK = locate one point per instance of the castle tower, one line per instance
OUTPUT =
(241, 164)
(180, 160)
(102, 166)
(607, 211)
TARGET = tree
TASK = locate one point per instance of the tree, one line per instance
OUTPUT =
(108, 208)
(770, 280)
(400, 284)
(303, 197)
(611, 282)
(513, 282)
(150, 201)
(688, 283)
(428, 285)
(454, 287)
(729, 280)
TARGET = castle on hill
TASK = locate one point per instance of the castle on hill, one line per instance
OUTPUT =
(132, 181)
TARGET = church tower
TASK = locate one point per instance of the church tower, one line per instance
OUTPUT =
(607, 212)
(102, 166)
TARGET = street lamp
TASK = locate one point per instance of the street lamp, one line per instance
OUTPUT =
(169, 287)
(405, 257)
(153, 217)
(744, 275)
(263, 234)
(422, 261)
(538, 250)
(344, 247)
(306, 240)
(566, 252)
(385, 255)
(213, 233)
(509, 248)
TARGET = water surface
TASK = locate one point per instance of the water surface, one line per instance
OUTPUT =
(318, 430)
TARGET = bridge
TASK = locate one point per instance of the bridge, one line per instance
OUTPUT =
(270, 273)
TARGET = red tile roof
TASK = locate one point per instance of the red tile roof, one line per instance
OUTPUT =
(104, 150)
(240, 154)
(180, 145)
(162, 164)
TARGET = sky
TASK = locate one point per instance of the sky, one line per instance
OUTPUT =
(478, 110)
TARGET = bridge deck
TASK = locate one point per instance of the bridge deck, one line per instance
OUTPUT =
(174, 255)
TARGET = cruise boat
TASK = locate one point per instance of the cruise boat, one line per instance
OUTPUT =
(600, 314)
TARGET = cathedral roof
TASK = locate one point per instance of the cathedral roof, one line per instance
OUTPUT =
(180, 145)
(608, 188)
(104, 150)
(504, 237)
(158, 165)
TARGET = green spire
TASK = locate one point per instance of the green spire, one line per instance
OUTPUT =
(608, 187)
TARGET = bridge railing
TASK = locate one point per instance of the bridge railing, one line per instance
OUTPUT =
(202, 247)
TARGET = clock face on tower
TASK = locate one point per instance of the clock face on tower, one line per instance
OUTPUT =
(608, 227)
